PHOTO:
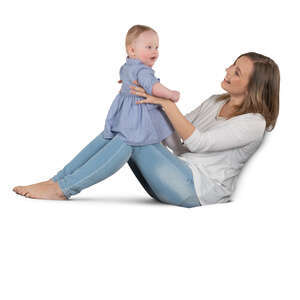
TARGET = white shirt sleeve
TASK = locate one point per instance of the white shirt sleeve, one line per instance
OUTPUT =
(173, 141)
(234, 133)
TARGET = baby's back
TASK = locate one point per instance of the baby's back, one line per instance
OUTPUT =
(135, 70)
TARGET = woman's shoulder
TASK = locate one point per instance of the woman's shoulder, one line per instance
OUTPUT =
(254, 117)
(254, 122)
(214, 100)
(204, 107)
(210, 102)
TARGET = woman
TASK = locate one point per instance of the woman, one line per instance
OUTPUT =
(218, 137)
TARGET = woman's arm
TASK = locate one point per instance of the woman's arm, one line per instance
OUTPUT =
(183, 127)
(235, 134)
(174, 142)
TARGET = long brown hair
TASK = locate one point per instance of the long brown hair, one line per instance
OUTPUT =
(263, 90)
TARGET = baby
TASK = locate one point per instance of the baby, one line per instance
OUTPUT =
(147, 123)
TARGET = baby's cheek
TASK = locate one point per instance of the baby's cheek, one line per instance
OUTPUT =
(144, 56)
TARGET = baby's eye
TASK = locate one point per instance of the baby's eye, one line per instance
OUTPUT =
(149, 47)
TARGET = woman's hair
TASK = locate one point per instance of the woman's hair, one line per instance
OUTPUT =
(134, 32)
(263, 90)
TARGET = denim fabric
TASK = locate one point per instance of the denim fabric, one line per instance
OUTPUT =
(164, 176)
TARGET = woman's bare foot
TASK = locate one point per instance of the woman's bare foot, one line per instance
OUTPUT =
(42, 190)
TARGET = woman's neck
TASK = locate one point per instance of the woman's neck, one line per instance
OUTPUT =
(236, 100)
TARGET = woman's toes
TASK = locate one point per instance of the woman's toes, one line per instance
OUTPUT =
(42, 190)
(18, 191)
(22, 191)
(16, 188)
(25, 191)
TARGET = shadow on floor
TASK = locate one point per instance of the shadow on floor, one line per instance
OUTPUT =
(117, 200)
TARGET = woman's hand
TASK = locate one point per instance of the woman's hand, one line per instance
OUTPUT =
(120, 81)
(139, 91)
(182, 126)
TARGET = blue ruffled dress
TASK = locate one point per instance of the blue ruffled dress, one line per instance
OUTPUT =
(136, 124)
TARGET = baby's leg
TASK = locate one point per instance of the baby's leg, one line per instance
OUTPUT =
(170, 179)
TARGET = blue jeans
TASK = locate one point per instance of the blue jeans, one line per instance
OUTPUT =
(164, 176)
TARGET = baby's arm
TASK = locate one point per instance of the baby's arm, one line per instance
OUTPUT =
(160, 90)
(152, 86)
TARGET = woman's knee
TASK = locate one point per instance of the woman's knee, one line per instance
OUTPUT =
(190, 202)
(187, 201)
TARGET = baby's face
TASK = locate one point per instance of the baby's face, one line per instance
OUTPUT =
(145, 48)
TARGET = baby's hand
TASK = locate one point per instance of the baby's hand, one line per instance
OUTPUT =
(175, 95)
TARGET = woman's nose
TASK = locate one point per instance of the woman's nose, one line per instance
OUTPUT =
(228, 70)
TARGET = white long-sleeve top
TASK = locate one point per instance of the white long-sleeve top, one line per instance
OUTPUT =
(218, 148)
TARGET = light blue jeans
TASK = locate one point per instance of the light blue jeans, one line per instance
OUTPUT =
(164, 176)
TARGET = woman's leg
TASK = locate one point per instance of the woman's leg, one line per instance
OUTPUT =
(98, 160)
(105, 162)
(82, 157)
(169, 178)
(50, 189)
(160, 172)
(141, 178)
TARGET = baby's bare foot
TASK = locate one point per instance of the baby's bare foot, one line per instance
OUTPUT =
(42, 190)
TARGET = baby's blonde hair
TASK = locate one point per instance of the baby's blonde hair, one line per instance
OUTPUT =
(134, 32)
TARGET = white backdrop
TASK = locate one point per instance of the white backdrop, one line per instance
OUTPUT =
(59, 66)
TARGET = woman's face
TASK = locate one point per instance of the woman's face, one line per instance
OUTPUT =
(238, 76)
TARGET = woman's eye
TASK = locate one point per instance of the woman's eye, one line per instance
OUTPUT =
(236, 73)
